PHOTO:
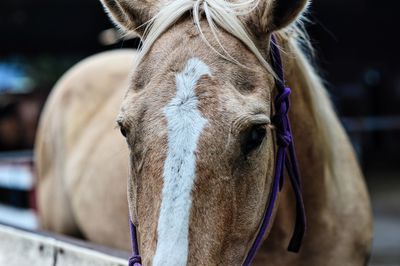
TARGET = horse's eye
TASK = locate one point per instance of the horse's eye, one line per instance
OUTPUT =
(123, 131)
(122, 128)
(253, 138)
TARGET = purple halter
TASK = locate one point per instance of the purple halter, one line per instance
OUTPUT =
(286, 156)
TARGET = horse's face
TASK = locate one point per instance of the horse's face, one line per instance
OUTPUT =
(202, 151)
(202, 148)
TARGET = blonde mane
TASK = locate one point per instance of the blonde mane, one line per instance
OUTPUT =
(223, 14)
(217, 12)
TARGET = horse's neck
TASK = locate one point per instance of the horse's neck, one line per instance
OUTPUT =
(314, 156)
(313, 152)
(335, 196)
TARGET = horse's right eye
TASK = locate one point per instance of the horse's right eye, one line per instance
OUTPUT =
(123, 131)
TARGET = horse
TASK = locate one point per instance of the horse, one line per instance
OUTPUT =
(195, 107)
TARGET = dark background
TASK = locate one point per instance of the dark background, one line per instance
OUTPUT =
(357, 45)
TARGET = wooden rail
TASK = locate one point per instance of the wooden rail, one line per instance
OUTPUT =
(26, 248)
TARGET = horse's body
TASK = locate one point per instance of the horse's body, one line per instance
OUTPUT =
(81, 159)
(83, 165)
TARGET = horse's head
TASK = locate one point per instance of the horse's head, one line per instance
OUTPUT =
(198, 124)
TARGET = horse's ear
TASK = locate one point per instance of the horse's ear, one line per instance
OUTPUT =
(274, 15)
(284, 12)
(129, 15)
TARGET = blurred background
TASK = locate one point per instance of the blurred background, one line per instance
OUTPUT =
(357, 46)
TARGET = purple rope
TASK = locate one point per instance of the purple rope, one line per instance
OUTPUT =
(286, 156)
(135, 259)
(282, 105)
(268, 214)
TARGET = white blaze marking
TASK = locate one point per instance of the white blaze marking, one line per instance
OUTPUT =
(185, 124)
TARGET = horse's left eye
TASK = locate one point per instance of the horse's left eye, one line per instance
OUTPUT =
(253, 138)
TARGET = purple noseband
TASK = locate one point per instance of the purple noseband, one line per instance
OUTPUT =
(286, 156)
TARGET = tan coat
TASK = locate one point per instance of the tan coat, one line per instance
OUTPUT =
(83, 162)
